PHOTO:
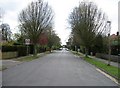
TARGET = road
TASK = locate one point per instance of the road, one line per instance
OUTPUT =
(61, 68)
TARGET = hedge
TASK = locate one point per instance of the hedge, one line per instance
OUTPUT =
(22, 49)
(9, 48)
(8, 55)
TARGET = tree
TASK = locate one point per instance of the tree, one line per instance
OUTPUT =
(53, 39)
(6, 33)
(87, 21)
(34, 19)
(19, 38)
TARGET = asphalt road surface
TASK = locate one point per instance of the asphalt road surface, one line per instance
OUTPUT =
(61, 68)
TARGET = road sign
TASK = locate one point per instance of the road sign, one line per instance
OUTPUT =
(27, 41)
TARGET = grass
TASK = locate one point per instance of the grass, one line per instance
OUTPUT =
(30, 58)
(76, 53)
(111, 70)
(2, 68)
(27, 58)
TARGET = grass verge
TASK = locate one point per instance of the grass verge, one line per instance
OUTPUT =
(111, 70)
(30, 58)
(27, 58)
(76, 53)
(2, 68)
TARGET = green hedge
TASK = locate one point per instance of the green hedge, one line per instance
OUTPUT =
(8, 55)
(21, 49)
(9, 48)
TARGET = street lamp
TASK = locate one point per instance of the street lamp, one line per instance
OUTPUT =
(118, 43)
(109, 51)
(118, 56)
(109, 22)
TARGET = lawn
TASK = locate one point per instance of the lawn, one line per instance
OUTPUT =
(111, 70)
(30, 58)
(2, 68)
(27, 58)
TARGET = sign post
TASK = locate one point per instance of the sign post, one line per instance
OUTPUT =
(27, 42)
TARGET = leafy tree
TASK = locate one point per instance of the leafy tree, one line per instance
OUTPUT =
(53, 39)
(19, 38)
(34, 19)
(87, 21)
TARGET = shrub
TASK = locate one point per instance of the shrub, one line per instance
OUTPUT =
(9, 48)
(22, 50)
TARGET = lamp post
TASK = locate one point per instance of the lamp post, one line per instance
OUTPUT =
(118, 56)
(109, 53)
(118, 43)
(109, 24)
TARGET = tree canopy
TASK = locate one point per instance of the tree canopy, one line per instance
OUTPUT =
(38, 16)
(87, 21)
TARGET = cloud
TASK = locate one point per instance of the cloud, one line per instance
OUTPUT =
(12, 9)
(62, 9)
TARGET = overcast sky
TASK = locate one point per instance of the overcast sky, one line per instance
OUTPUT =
(62, 9)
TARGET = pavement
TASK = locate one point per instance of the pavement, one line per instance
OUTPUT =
(102, 60)
(13, 62)
(61, 68)
(10, 63)
(106, 61)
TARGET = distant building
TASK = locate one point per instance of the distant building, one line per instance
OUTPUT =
(114, 44)
(114, 39)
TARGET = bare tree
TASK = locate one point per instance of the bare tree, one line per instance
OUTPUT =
(34, 19)
(6, 32)
(87, 21)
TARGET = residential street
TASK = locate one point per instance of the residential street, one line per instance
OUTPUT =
(61, 68)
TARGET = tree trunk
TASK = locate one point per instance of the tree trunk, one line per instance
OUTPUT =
(35, 49)
(86, 52)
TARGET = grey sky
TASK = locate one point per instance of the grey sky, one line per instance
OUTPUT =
(62, 9)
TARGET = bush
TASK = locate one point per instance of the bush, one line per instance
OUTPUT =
(41, 49)
(9, 48)
(31, 49)
(21, 49)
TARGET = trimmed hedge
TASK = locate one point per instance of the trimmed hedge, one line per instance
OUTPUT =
(8, 55)
(41, 49)
(9, 48)
(21, 49)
